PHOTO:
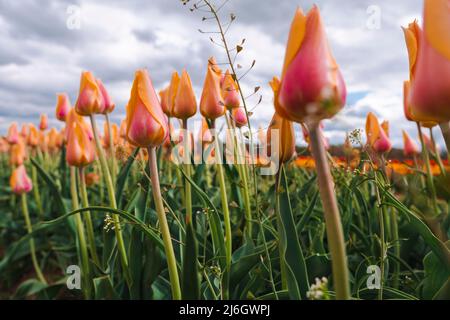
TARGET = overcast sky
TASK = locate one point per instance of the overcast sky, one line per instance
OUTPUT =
(42, 52)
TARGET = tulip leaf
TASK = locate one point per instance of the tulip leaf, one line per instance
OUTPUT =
(190, 275)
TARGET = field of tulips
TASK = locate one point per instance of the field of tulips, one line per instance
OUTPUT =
(151, 209)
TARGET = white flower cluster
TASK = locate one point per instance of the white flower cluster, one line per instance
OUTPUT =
(318, 290)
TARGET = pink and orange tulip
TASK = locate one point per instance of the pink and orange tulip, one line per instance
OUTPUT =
(90, 98)
(20, 182)
(185, 104)
(410, 148)
(146, 123)
(211, 102)
(63, 106)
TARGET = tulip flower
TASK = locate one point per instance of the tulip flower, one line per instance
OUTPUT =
(20, 182)
(90, 98)
(80, 149)
(115, 135)
(43, 124)
(164, 98)
(24, 131)
(33, 136)
(63, 106)
(108, 104)
(284, 147)
(91, 178)
(172, 91)
(4, 146)
(211, 102)
(18, 153)
(53, 137)
(146, 122)
(123, 129)
(13, 134)
(410, 147)
(312, 87)
(185, 104)
(430, 94)
(377, 137)
(239, 117)
(230, 91)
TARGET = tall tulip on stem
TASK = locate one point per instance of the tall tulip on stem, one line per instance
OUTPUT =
(91, 101)
(312, 89)
(147, 127)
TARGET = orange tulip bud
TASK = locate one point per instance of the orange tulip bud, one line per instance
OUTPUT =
(284, 147)
(115, 134)
(43, 124)
(4, 146)
(123, 129)
(377, 137)
(62, 106)
(18, 153)
(239, 117)
(80, 149)
(211, 103)
(20, 182)
(24, 131)
(185, 104)
(430, 94)
(33, 136)
(146, 123)
(230, 92)
(90, 98)
(91, 178)
(312, 87)
(108, 104)
(410, 147)
(165, 105)
(13, 134)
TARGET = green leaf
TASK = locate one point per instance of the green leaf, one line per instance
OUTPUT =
(436, 278)
(291, 251)
(190, 275)
(104, 289)
(123, 176)
(28, 288)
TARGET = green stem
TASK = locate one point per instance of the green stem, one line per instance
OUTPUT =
(331, 214)
(187, 170)
(168, 247)
(381, 215)
(26, 215)
(112, 199)
(426, 159)
(88, 218)
(223, 197)
(437, 153)
(281, 244)
(112, 149)
(36, 193)
(80, 233)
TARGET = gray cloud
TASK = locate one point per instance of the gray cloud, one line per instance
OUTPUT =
(40, 56)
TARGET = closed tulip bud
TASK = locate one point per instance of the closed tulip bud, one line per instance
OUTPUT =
(80, 150)
(43, 124)
(312, 87)
(230, 92)
(123, 129)
(4, 146)
(211, 102)
(108, 104)
(239, 117)
(33, 136)
(43, 141)
(53, 140)
(72, 117)
(410, 147)
(115, 134)
(146, 123)
(90, 98)
(18, 153)
(62, 106)
(185, 104)
(205, 135)
(92, 178)
(430, 94)
(377, 137)
(165, 105)
(24, 131)
(13, 134)
(20, 182)
(284, 147)
(173, 90)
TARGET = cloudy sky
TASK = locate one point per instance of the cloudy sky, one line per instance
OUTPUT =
(45, 44)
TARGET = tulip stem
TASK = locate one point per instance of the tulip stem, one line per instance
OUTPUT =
(426, 159)
(112, 199)
(445, 128)
(36, 194)
(331, 214)
(187, 170)
(26, 215)
(88, 218)
(112, 150)
(437, 153)
(223, 196)
(168, 247)
(80, 232)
